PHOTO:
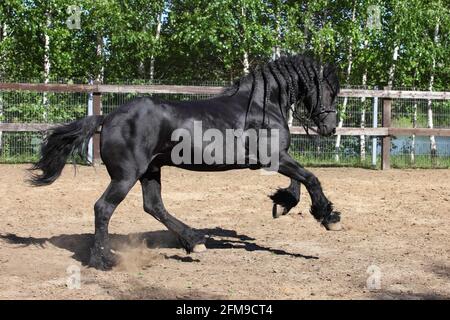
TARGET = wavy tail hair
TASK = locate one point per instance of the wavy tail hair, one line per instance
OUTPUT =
(63, 141)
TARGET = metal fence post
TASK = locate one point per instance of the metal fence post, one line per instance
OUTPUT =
(386, 142)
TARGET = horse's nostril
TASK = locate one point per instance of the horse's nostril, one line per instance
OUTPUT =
(334, 131)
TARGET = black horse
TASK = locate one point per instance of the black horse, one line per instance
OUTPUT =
(137, 139)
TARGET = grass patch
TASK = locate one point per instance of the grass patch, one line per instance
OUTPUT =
(402, 161)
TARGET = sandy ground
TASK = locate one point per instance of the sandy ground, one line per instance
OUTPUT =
(396, 238)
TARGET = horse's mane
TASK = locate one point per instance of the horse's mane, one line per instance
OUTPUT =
(293, 76)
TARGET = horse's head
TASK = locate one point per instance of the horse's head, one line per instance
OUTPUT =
(320, 99)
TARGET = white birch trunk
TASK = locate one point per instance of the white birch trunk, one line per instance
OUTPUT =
(430, 88)
(340, 124)
(2, 37)
(344, 105)
(99, 53)
(3, 34)
(141, 69)
(362, 138)
(392, 68)
(391, 73)
(245, 61)
(277, 48)
(430, 122)
(157, 36)
(47, 63)
(413, 138)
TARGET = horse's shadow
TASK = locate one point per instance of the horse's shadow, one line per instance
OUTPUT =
(80, 244)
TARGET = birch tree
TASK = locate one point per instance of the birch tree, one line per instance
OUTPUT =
(3, 35)
(157, 37)
(413, 138)
(47, 63)
(100, 58)
(362, 138)
(393, 63)
(243, 36)
(347, 80)
(430, 88)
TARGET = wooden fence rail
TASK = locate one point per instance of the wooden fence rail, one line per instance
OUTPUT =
(174, 89)
(385, 132)
(345, 131)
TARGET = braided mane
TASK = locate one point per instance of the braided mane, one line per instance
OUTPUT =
(292, 78)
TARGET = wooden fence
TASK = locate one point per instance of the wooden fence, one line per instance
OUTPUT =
(385, 131)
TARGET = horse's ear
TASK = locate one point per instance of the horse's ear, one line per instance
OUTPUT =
(330, 73)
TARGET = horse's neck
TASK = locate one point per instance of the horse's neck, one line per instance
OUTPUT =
(253, 93)
(281, 93)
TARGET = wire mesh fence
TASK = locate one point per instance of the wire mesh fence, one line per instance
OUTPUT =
(20, 147)
(39, 107)
(321, 151)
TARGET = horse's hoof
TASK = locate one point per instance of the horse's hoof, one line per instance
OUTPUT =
(336, 226)
(104, 261)
(101, 263)
(278, 211)
(199, 248)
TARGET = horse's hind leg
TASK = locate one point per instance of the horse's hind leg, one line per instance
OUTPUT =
(101, 256)
(153, 204)
(284, 199)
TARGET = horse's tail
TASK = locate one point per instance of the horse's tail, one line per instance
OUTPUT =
(62, 142)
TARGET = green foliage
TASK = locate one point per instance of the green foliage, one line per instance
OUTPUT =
(206, 39)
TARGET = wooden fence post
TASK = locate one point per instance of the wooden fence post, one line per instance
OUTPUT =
(386, 142)
(97, 106)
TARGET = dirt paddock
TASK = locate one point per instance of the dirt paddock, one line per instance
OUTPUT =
(396, 237)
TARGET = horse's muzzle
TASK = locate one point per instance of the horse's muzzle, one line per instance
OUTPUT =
(327, 124)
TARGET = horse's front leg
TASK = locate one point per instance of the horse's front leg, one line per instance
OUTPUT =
(321, 208)
(284, 199)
